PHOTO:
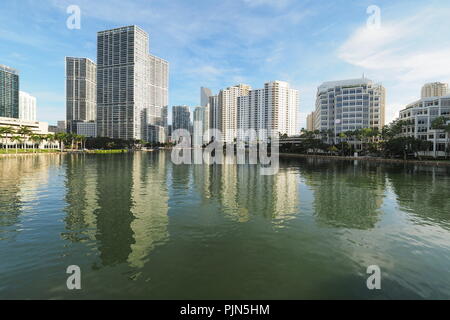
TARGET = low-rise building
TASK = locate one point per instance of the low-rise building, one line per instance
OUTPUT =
(420, 115)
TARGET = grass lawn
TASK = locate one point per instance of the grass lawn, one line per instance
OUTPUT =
(21, 151)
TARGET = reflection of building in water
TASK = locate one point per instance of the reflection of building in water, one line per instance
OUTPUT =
(243, 192)
(423, 191)
(81, 197)
(21, 179)
(346, 195)
(149, 206)
(114, 215)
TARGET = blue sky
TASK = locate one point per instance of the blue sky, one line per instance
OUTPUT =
(221, 43)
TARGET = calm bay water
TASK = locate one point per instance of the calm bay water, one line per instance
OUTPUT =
(140, 227)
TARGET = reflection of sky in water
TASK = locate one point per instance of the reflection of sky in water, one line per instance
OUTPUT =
(140, 227)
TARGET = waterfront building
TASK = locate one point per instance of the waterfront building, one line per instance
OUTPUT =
(9, 92)
(27, 106)
(81, 92)
(272, 109)
(62, 125)
(435, 89)
(310, 122)
(132, 85)
(349, 105)
(215, 120)
(227, 105)
(181, 118)
(87, 128)
(36, 127)
(420, 115)
(200, 114)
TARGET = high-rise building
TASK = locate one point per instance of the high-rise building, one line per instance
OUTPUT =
(27, 106)
(227, 104)
(215, 121)
(205, 93)
(199, 127)
(181, 118)
(132, 85)
(348, 105)
(81, 92)
(9, 92)
(272, 110)
(435, 89)
(310, 122)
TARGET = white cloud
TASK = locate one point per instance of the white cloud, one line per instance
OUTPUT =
(403, 54)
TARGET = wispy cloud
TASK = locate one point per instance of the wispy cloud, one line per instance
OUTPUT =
(405, 53)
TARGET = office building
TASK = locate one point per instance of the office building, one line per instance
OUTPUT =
(36, 127)
(181, 118)
(420, 116)
(27, 107)
(9, 92)
(349, 105)
(81, 92)
(435, 89)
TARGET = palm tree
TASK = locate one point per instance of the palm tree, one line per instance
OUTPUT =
(61, 137)
(5, 132)
(24, 132)
(16, 139)
(36, 139)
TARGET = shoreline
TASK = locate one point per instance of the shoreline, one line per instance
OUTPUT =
(436, 163)
(381, 160)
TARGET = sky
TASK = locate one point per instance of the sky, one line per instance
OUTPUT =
(217, 44)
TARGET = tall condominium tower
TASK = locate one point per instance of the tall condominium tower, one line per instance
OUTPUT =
(272, 110)
(181, 118)
(199, 127)
(27, 107)
(349, 105)
(132, 85)
(227, 101)
(310, 122)
(9, 92)
(81, 92)
(435, 89)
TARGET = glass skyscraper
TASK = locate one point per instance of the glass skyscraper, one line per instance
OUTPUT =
(9, 92)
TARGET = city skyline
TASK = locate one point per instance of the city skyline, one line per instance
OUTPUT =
(291, 52)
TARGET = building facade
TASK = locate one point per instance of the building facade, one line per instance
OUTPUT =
(434, 89)
(27, 106)
(272, 110)
(420, 115)
(87, 128)
(228, 108)
(350, 105)
(36, 127)
(132, 85)
(9, 92)
(181, 118)
(199, 126)
(310, 122)
(81, 92)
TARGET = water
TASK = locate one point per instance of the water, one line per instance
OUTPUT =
(140, 227)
